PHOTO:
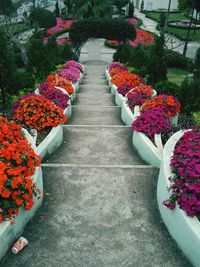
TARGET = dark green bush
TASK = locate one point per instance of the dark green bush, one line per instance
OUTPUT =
(189, 96)
(23, 79)
(42, 17)
(169, 88)
(176, 60)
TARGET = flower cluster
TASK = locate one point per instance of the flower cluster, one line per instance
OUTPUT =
(139, 95)
(17, 164)
(152, 122)
(55, 95)
(73, 64)
(123, 89)
(71, 74)
(142, 37)
(170, 103)
(38, 112)
(185, 182)
(60, 81)
(117, 65)
(127, 78)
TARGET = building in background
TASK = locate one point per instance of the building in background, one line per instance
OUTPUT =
(156, 4)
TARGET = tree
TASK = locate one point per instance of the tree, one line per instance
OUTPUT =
(156, 67)
(57, 10)
(197, 65)
(184, 5)
(131, 10)
(120, 4)
(43, 17)
(7, 69)
(6, 7)
(142, 5)
(92, 8)
(39, 62)
(69, 5)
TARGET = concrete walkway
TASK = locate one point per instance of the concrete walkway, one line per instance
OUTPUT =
(100, 207)
(150, 25)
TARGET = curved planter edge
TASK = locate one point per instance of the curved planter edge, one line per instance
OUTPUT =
(119, 99)
(127, 115)
(50, 144)
(183, 229)
(146, 149)
(8, 232)
(113, 89)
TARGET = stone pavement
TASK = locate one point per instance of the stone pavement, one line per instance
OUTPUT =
(150, 25)
(100, 206)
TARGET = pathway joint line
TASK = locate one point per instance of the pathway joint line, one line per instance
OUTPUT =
(54, 165)
(96, 126)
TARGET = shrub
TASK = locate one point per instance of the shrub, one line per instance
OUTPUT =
(169, 88)
(176, 60)
(189, 96)
(43, 17)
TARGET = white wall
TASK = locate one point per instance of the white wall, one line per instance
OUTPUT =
(155, 4)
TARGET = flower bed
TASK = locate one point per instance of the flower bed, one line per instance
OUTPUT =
(184, 229)
(22, 195)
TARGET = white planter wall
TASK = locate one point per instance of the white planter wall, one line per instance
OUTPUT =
(184, 229)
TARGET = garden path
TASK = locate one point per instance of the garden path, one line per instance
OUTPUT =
(99, 208)
(178, 45)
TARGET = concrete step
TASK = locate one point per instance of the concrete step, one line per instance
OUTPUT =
(97, 88)
(96, 145)
(94, 82)
(98, 217)
(94, 99)
(88, 115)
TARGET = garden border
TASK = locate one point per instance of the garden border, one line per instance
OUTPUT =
(9, 232)
(183, 229)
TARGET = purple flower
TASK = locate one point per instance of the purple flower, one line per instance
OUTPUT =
(124, 89)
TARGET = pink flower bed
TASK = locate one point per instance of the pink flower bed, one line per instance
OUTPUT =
(61, 24)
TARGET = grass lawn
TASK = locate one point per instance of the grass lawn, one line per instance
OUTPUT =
(172, 16)
(176, 75)
(182, 33)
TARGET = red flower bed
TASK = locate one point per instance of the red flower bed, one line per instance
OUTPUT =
(17, 164)
(38, 112)
(60, 81)
(127, 78)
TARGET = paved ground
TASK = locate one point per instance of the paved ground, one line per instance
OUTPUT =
(100, 206)
(150, 25)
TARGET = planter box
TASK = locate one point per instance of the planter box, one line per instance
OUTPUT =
(107, 75)
(9, 233)
(113, 89)
(51, 143)
(119, 99)
(127, 115)
(147, 150)
(184, 229)
(76, 86)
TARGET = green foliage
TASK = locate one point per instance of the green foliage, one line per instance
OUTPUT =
(39, 61)
(89, 8)
(57, 10)
(142, 5)
(69, 5)
(156, 67)
(177, 60)
(196, 116)
(166, 87)
(184, 5)
(162, 19)
(112, 29)
(6, 7)
(189, 96)
(42, 17)
(197, 65)
(23, 79)
(131, 10)
(120, 4)
(7, 69)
